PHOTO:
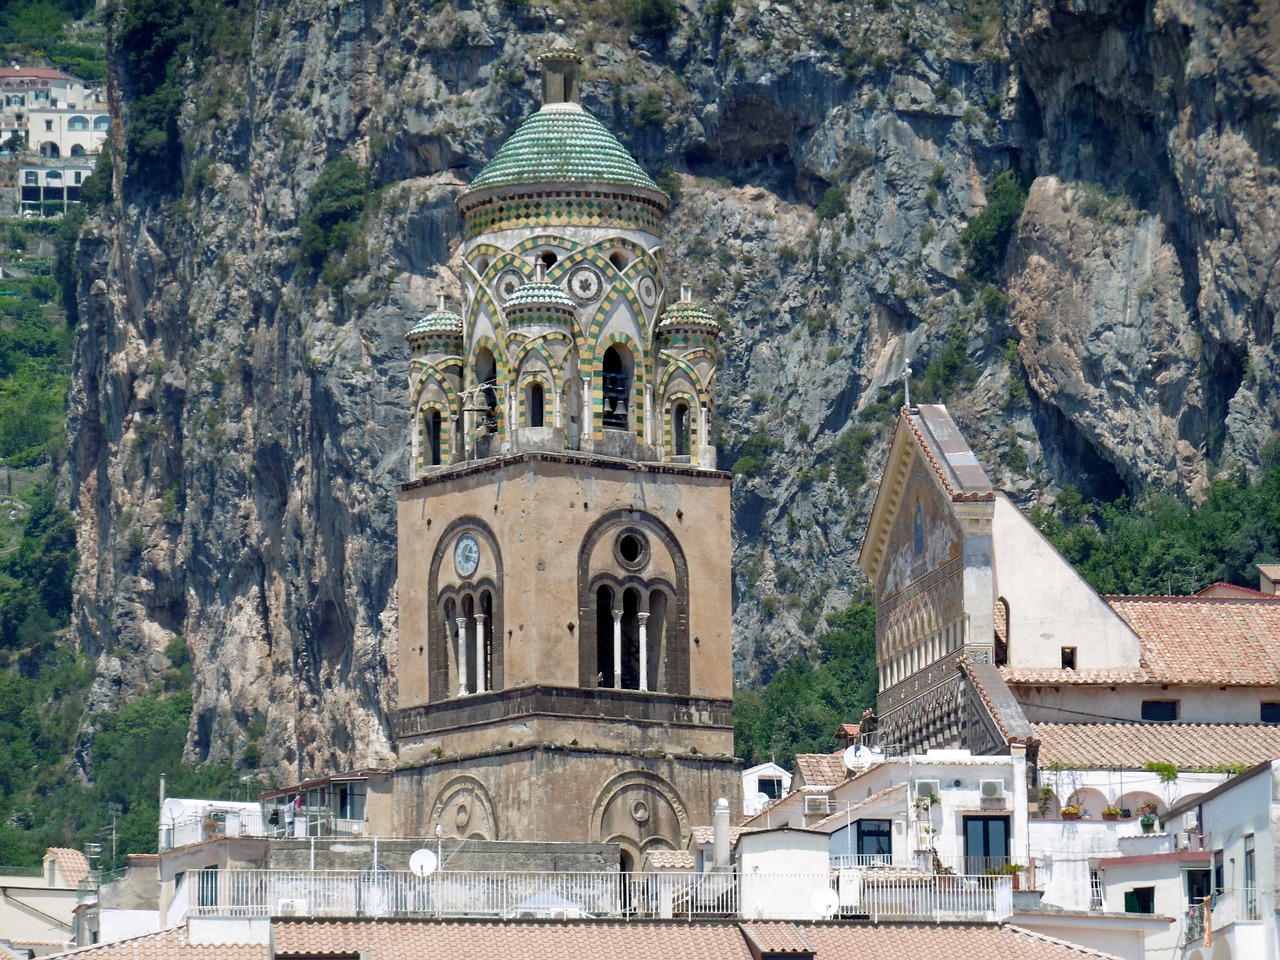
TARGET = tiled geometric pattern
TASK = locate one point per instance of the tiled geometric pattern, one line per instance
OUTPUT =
(547, 387)
(561, 145)
(548, 208)
(669, 427)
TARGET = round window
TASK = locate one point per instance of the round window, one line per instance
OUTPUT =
(631, 549)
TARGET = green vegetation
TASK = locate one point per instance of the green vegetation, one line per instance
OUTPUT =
(803, 704)
(946, 370)
(986, 237)
(162, 44)
(848, 456)
(330, 223)
(754, 453)
(654, 18)
(833, 204)
(36, 32)
(1160, 545)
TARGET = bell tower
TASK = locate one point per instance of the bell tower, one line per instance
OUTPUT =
(564, 667)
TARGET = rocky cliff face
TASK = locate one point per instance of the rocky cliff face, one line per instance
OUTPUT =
(238, 428)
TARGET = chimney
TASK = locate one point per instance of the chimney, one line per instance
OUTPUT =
(720, 829)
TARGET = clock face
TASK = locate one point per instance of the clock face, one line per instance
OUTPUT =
(509, 281)
(466, 555)
(585, 284)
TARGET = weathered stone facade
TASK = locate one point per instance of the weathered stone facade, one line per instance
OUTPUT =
(565, 659)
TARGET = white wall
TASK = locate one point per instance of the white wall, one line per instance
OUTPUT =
(779, 872)
(1050, 604)
(1209, 704)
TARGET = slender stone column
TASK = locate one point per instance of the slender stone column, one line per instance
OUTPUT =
(617, 649)
(480, 658)
(644, 650)
(462, 656)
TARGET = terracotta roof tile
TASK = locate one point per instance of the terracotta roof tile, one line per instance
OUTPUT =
(705, 834)
(819, 769)
(669, 860)
(1218, 641)
(1272, 570)
(170, 944)
(72, 864)
(1188, 746)
(971, 941)
(777, 937)
(1221, 589)
(511, 940)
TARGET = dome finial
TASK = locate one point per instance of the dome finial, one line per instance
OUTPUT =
(560, 65)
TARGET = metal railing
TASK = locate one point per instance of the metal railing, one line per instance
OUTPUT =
(36, 871)
(925, 896)
(1233, 905)
(841, 861)
(860, 892)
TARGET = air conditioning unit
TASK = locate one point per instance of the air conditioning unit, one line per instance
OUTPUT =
(992, 789)
(926, 788)
(1181, 840)
(817, 804)
(1192, 821)
(291, 908)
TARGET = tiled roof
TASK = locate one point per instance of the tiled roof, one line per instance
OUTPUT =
(1221, 589)
(704, 834)
(72, 864)
(1216, 641)
(439, 321)
(669, 859)
(971, 941)
(777, 937)
(37, 73)
(1272, 570)
(1188, 746)
(820, 769)
(683, 313)
(539, 293)
(471, 940)
(997, 699)
(837, 820)
(170, 944)
(562, 143)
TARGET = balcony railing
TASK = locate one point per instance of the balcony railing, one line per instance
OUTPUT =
(890, 894)
(1235, 905)
(36, 871)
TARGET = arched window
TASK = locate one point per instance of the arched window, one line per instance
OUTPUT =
(536, 403)
(616, 388)
(433, 436)
(52, 175)
(77, 150)
(680, 428)
(605, 625)
(486, 378)
(49, 149)
(102, 122)
(78, 123)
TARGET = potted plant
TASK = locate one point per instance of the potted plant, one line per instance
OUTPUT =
(1110, 813)
(925, 803)
(1148, 808)
(1008, 870)
(1070, 812)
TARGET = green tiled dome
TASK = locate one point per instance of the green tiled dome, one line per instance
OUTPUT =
(562, 145)
(683, 313)
(540, 293)
(441, 321)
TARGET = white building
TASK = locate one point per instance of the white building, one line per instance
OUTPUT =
(763, 784)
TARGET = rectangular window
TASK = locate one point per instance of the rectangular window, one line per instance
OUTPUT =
(48, 125)
(771, 787)
(31, 178)
(349, 800)
(1096, 900)
(1197, 885)
(1271, 712)
(1219, 873)
(1160, 710)
(79, 175)
(1250, 881)
(875, 839)
(1068, 658)
(1140, 900)
(986, 843)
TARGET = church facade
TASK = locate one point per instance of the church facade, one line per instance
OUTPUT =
(564, 669)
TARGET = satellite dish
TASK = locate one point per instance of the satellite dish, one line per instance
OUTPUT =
(825, 902)
(761, 800)
(857, 758)
(423, 863)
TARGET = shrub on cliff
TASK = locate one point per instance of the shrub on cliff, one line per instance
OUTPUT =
(986, 237)
(329, 223)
